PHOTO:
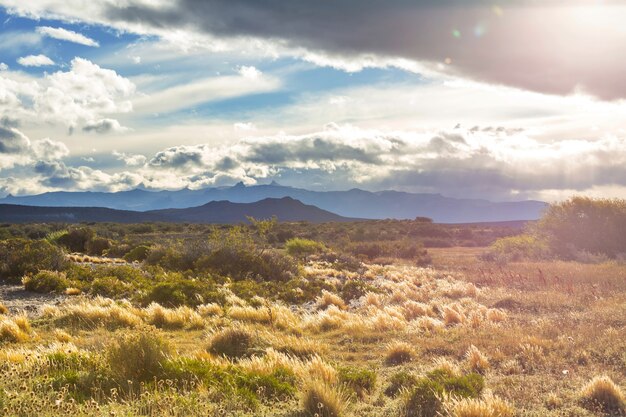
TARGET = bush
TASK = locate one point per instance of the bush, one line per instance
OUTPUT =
(398, 382)
(76, 239)
(603, 394)
(110, 287)
(302, 248)
(97, 246)
(232, 342)
(584, 224)
(425, 398)
(138, 356)
(20, 257)
(516, 248)
(138, 253)
(361, 381)
(46, 282)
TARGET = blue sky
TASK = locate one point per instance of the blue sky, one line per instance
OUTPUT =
(472, 99)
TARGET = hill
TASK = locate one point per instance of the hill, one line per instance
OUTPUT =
(285, 209)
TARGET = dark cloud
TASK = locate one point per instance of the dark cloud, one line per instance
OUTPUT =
(102, 126)
(310, 149)
(12, 141)
(178, 157)
(540, 46)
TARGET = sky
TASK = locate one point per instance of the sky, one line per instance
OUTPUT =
(503, 100)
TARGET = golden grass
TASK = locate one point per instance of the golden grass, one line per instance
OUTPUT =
(603, 394)
(321, 400)
(488, 406)
(398, 352)
(476, 361)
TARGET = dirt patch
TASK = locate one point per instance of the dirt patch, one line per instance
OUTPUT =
(16, 299)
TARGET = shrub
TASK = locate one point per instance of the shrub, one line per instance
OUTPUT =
(361, 381)
(97, 246)
(138, 253)
(321, 400)
(517, 248)
(603, 394)
(76, 239)
(400, 381)
(232, 342)
(109, 287)
(425, 399)
(302, 248)
(46, 282)
(278, 385)
(20, 257)
(398, 353)
(138, 356)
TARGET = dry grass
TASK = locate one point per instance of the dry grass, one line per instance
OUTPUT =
(489, 406)
(603, 394)
(476, 361)
(321, 400)
(397, 353)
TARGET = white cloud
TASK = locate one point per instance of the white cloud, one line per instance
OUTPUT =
(246, 127)
(35, 61)
(130, 159)
(66, 35)
(3, 66)
(249, 72)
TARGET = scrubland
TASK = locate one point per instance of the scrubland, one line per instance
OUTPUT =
(181, 329)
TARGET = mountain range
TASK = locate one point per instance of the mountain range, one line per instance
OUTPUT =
(354, 203)
(285, 209)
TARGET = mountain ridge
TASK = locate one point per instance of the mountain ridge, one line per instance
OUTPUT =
(354, 203)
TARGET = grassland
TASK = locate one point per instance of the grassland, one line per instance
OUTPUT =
(337, 335)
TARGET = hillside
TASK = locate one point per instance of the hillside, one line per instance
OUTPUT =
(285, 209)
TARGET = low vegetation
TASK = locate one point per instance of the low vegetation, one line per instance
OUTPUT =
(359, 319)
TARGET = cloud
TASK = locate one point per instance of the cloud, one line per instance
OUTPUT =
(130, 159)
(66, 35)
(83, 94)
(546, 46)
(35, 61)
(16, 149)
(3, 66)
(104, 126)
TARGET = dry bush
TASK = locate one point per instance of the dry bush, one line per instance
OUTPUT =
(328, 299)
(476, 360)
(496, 315)
(488, 406)
(398, 353)
(602, 393)
(3, 309)
(321, 400)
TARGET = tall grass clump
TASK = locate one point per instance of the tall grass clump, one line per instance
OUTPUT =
(138, 356)
(321, 400)
(398, 353)
(489, 406)
(233, 342)
(603, 394)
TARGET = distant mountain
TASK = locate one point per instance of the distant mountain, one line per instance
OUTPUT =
(285, 209)
(352, 203)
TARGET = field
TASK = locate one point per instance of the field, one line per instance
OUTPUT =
(305, 320)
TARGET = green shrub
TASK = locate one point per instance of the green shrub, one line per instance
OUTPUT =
(361, 381)
(46, 282)
(400, 381)
(20, 257)
(76, 239)
(517, 248)
(110, 287)
(278, 386)
(138, 356)
(425, 398)
(138, 253)
(302, 248)
(97, 246)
